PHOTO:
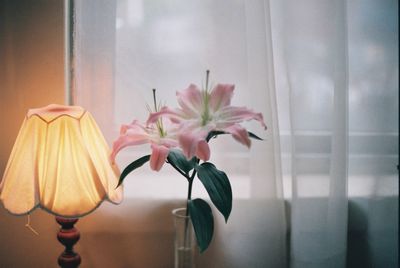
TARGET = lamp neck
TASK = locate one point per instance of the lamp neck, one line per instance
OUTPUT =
(68, 235)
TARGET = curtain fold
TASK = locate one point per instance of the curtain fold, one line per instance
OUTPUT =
(315, 60)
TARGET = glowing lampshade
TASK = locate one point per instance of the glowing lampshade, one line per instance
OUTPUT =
(59, 162)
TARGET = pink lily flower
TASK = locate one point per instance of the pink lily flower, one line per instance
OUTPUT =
(135, 134)
(201, 112)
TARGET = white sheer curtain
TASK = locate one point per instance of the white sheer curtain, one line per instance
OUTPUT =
(124, 49)
(326, 69)
(336, 66)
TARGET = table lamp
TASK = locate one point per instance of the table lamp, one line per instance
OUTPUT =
(60, 163)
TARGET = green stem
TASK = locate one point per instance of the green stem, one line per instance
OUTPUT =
(177, 169)
(189, 196)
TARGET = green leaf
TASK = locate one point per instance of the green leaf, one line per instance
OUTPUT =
(177, 158)
(218, 187)
(132, 166)
(254, 136)
(214, 134)
(203, 222)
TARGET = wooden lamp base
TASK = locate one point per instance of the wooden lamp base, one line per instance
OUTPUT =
(68, 236)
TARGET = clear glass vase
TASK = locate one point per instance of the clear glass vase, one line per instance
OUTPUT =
(185, 243)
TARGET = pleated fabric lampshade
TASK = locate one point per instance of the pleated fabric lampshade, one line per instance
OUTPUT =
(60, 163)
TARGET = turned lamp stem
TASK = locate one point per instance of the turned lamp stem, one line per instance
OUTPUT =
(68, 235)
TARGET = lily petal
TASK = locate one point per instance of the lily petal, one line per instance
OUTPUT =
(188, 145)
(158, 156)
(189, 141)
(191, 100)
(221, 96)
(240, 134)
(173, 115)
(232, 114)
(127, 140)
(203, 150)
(134, 125)
(168, 142)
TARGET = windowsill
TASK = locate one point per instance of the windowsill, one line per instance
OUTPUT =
(145, 184)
